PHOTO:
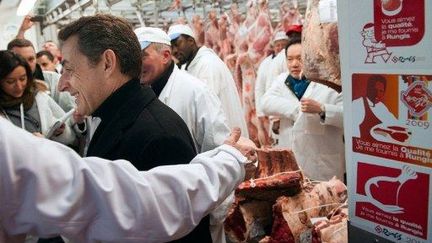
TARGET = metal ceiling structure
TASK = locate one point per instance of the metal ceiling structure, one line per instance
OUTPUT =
(142, 12)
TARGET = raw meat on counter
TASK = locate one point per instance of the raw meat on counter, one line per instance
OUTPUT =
(248, 221)
(277, 174)
(272, 187)
(274, 161)
(292, 215)
(333, 229)
(320, 49)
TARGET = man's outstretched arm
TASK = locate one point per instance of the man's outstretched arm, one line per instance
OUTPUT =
(47, 189)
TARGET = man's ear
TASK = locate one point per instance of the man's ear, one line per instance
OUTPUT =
(109, 59)
(166, 54)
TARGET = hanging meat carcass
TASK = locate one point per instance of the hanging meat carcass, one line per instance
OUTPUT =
(226, 45)
(290, 15)
(320, 48)
(212, 39)
(198, 29)
(260, 34)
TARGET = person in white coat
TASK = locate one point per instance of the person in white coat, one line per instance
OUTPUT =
(203, 63)
(311, 119)
(97, 200)
(189, 97)
(24, 103)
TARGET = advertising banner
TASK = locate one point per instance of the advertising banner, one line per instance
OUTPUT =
(386, 61)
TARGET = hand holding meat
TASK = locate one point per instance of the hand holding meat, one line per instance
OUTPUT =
(59, 130)
(310, 106)
(244, 145)
(78, 118)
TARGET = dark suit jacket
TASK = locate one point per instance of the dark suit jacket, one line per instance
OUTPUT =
(138, 127)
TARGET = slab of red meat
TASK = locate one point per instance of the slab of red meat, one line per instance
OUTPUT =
(271, 187)
(320, 49)
(273, 161)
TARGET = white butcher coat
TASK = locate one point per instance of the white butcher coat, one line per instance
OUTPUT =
(261, 83)
(199, 108)
(317, 144)
(277, 66)
(47, 189)
(208, 67)
(202, 112)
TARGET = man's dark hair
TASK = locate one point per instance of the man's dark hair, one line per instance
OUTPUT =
(45, 53)
(19, 43)
(102, 32)
(291, 42)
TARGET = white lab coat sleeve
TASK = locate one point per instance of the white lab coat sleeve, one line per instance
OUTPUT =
(276, 68)
(260, 85)
(275, 102)
(334, 112)
(47, 189)
(212, 123)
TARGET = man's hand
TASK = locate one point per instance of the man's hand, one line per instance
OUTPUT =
(25, 25)
(78, 118)
(310, 106)
(59, 130)
(38, 134)
(244, 145)
(276, 126)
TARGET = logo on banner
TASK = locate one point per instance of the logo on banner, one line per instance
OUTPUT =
(417, 98)
(388, 232)
(393, 199)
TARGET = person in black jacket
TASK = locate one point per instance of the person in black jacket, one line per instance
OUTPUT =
(102, 64)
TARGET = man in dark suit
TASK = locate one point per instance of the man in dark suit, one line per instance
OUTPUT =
(102, 63)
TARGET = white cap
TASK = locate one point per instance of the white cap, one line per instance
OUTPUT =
(280, 35)
(148, 35)
(180, 29)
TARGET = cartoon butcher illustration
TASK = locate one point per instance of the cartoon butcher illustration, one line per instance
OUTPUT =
(372, 119)
(373, 47)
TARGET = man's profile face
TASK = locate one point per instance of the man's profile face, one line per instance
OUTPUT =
(82, 79)
(29, 55)
(181, 49)
(152, 65)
